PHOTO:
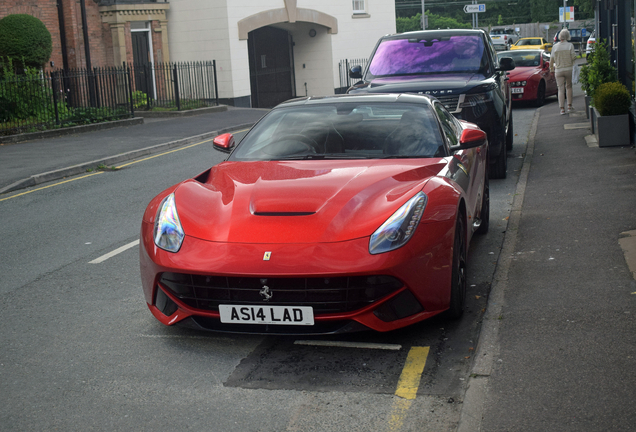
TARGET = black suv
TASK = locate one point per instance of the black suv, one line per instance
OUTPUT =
(458, 67)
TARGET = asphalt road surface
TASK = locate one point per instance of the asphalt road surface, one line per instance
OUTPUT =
(81, 351)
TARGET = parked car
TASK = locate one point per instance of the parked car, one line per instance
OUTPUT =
(458, 67)
(333, 214)
(532, 43)
(589, 46)
(531, 79)
(503, 38)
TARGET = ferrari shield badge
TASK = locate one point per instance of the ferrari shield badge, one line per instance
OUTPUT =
(267, 256)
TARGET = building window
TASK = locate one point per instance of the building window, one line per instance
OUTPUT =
(358, 7)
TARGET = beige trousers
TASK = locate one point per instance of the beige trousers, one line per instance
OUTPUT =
(564, 83)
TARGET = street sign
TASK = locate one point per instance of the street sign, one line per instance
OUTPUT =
(475, 8)
(565, 14)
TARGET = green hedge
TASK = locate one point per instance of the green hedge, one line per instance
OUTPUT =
(26, 38)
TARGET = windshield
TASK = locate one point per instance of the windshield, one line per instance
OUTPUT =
(419, 56)
(344, 131)
(530, 42)
(523, 58)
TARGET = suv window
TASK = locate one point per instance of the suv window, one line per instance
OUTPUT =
(421, 56)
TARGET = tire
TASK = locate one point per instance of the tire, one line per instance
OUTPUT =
(540, 94)
(458, 279)
(510, 135)
(484, 214)
(499, 167)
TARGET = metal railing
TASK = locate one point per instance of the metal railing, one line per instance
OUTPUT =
(175, 85)
(37, 100)
(344, 66)
(33, 101)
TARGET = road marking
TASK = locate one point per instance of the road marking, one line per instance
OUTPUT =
(343, 344)
(49, 186)
(407, 386)
(412, 373)
(163, 154)
(117, 251)
(117, 167)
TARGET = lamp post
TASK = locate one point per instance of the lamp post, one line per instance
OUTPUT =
(424, 14)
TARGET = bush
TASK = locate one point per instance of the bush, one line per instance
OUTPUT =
(612, 99)
(24, 96)
(598, 71)
(25, 37)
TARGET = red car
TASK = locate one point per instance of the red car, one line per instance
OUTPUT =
(531, 79)
(333, 214)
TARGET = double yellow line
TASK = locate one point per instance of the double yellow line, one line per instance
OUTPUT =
(117, 167)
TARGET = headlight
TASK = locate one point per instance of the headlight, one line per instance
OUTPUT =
(399, 228)
(519, 83)
(471, 100)
(168, 233)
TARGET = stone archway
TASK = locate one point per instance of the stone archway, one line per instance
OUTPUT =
(289, 14)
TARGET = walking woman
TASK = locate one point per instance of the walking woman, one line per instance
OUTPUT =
(561, 64)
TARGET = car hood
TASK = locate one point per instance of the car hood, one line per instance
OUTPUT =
(298, 201)
(522, 73)
(435, 85)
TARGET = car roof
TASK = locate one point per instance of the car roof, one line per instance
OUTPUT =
(362, 98)
(435, 33)
(521, 51)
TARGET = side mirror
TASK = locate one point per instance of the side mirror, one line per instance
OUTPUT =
(470, 138)
(224, 142)
(355, 72)
(506, 64)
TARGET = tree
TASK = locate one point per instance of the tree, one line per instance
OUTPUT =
(414, 23)
(25, 39)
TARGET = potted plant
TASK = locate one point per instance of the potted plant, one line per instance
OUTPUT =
(611, 107)
(597, 71)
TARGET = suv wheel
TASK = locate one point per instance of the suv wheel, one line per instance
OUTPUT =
(499, 167)
(510, 136)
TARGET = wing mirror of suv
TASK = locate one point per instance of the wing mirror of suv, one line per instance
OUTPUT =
(506, 64)
(470, 138)
(355, 72)
(224, 142)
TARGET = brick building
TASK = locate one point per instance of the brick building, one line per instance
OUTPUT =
(118, 30)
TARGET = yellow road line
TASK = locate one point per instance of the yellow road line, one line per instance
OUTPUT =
(117, 167)
(412, 373)
(49, 186)
(163, 154)
(407, 386)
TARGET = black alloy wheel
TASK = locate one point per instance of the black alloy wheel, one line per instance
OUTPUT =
(484, 214)
(540, 94)
(499, 167)
(510, 135)
(458, 280)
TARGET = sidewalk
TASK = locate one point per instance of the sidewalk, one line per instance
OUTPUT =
(55, 156)
(558, 344)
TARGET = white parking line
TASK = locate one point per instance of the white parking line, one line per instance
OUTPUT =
(103, 258)
(341, 344)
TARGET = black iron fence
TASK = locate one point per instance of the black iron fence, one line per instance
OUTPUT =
(344, 66)
(34, 100)
(175, 85)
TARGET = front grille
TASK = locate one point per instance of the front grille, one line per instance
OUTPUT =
(324, 295)
(450, 102)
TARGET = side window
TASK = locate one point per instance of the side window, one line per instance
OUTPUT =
(449, 125)
(359, 7)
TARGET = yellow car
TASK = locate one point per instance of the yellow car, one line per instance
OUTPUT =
(532, 43)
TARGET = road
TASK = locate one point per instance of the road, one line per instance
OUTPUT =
(81, 351)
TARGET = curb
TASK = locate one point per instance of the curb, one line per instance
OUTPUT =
(488, 345)
(179, 114)
(54, 133)
(37, 179)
